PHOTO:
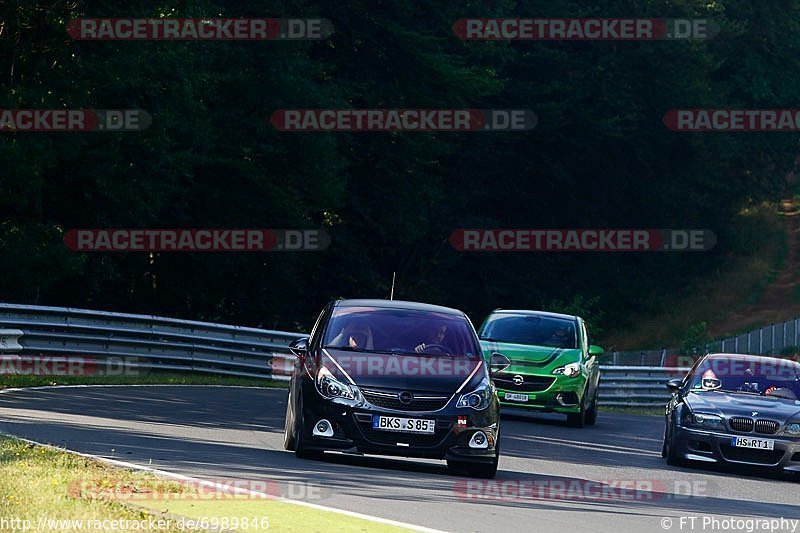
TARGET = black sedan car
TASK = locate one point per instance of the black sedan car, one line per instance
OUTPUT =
(737, 409)
(395, 378)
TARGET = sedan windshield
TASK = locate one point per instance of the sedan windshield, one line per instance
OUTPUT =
(762, 376)
(401, 331)
(530, 329)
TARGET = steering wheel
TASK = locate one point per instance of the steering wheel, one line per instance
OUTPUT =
(441, 348)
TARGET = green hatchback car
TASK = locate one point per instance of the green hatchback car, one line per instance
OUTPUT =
(553, 366)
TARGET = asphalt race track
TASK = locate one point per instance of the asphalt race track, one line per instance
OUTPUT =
(219, 433)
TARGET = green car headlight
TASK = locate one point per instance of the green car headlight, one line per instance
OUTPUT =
(704, 420)
(571, 370)
(793, 429)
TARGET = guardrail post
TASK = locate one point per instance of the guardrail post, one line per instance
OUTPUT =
(796, 323)
(9, 340)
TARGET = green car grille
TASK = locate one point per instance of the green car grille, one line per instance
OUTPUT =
(528, 384)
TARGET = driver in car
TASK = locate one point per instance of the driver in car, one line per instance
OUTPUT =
(560, 338)
(355, 335)
(435, 337)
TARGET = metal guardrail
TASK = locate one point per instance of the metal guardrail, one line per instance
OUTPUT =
(146, 341)
(636, 386)
(53, 335)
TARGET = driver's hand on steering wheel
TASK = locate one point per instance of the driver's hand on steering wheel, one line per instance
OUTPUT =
(420, 347)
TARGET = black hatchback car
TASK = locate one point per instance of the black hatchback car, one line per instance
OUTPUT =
(736, 409)
(388, 377)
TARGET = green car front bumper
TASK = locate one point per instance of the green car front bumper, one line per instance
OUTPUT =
(563, 394)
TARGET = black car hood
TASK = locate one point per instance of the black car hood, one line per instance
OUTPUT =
(403, 372)
(732, 404)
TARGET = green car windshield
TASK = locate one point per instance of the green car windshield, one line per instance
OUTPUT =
(530, 329)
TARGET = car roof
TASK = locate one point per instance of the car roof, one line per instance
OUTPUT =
(746, 357)
(533, 313)
(399, 304)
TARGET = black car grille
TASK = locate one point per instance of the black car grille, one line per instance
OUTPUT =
(742, 424)
(766, 427)
(529, 383)
(391, 400)
(747, 455)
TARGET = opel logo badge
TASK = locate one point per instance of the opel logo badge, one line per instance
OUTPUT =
(405, 397)
(755, 413)
(518, 380)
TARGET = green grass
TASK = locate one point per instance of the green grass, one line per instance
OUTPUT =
(38, 481)
(648, 411)
(153, 378)
(279, 516)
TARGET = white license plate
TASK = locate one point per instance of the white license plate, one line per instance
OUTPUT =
(403, 425)
(749, 442)
(514, 397)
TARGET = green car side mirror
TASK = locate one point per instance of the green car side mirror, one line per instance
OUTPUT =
(596, 350)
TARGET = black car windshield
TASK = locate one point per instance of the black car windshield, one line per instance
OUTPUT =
(763, 376)
(530, 329)
(402, 331)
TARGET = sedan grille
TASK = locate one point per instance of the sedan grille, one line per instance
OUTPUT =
(391, 400)
(529, 383)
(741, 424)
(766, 427)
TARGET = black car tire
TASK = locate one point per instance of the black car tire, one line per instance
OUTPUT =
(288, 423)
(479, 470)
(578, 420)
(300, 449)
(673, 459)
(591, 415)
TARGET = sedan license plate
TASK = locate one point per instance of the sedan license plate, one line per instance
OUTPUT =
(514, 397)
(403, 425)
(749, 442)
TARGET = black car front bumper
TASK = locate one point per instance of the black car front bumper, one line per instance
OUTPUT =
(353, 432)
(715, 447)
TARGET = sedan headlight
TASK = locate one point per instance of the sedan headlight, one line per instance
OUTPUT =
(479, 398)
(330, 387)
(703, 420)
(571, 370)
(793, 429)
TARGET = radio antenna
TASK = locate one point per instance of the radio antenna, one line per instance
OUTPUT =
(391, 293)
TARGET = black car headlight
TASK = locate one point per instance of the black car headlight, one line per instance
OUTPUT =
(703, 420)
(792, 429)
(479, 398)
(331, 388)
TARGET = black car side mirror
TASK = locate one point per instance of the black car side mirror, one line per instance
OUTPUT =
(498, 362)
(674, 385)
(299, 347)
